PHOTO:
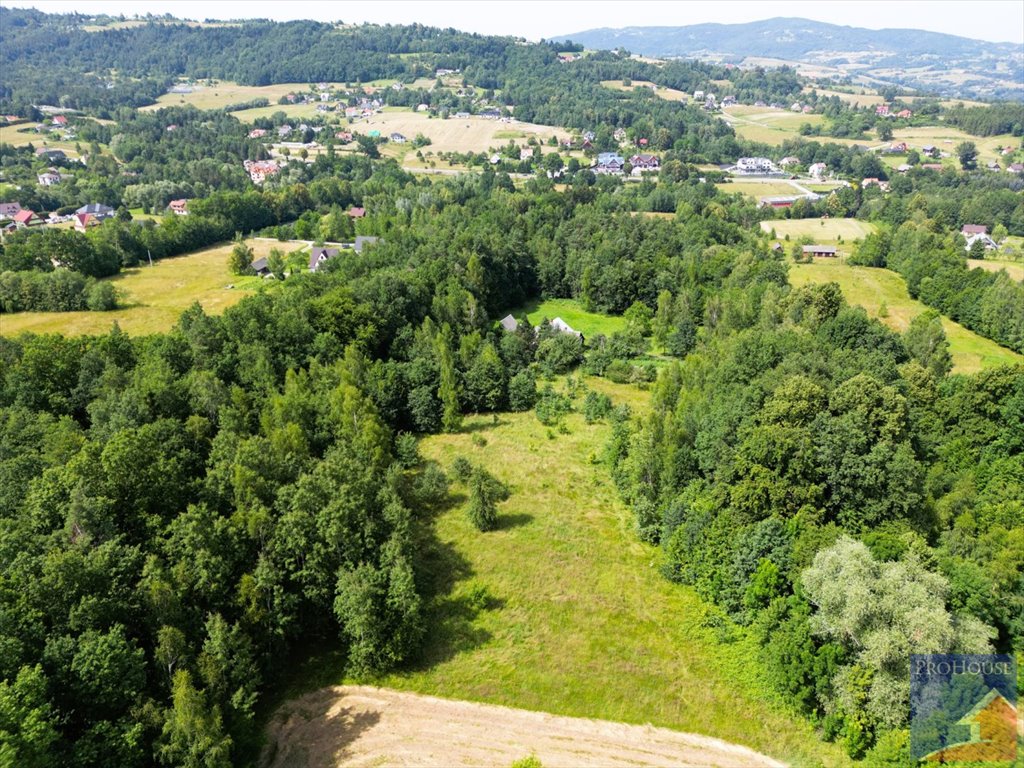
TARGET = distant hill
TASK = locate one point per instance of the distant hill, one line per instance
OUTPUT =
(954, 66)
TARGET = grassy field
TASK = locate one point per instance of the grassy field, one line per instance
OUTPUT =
(759, 189)
(472, 134)
(771, 126)
(10, 135)
(154, 296)
(1015, 269)
(587, 323)
(563, 610)
(669, 94)
(224, 93)
(946, 139)
(869, 288)
(300, 111)
(822, 230)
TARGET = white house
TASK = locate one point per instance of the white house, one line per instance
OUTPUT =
(985, 240)
(817, 170)
(755, 165)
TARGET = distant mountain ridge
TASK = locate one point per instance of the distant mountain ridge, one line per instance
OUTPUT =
(951, 65)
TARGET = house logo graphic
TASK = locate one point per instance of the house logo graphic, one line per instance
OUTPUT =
(963, 709)
(993, 727)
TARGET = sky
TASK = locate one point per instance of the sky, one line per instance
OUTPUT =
(992, 20)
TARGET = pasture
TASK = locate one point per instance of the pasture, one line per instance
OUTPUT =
(946, 138)
(473, 134)
(821, 230)
(869, 287)
(770, 126)
(153, 297)
(563, 610)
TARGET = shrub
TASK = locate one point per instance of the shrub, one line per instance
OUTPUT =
(461, 469)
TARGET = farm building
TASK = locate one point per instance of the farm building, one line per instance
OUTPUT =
(819, 250)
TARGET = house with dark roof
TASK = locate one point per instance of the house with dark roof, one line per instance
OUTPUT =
(609, 162)
(8, 210)
(362, 241)
(645, 161)
(51, 154)
(318, 255)
(261, 267)
(99, 210)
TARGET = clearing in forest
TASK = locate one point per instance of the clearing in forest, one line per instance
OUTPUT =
(870, 287)
(821, 230)
(564, 610)
(153, 297)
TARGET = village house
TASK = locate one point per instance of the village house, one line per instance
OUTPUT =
(819, 250)
(698, 95)
(356, 213)
(609, 162)
(882, 110)
(27, 218)
(491, 114)
(84, 221)
(817, 170)
(645, 162)
(422, 107)
(319, 255)
(619, 135)
(898, 147)
(563, 327)
(179, 207)
(51, 154)
(807, 109)
(462, 115)
(259, 171)
(8, 210)
(398, 138)
(262, 268)
(980, 237)
(509, 324)
(526, 153)
(796, 106)
(788, 161)
(780, 201)
(903, 167)
(1015, 168)
(60, 120)
(49, 178)
(257, 133)
(284, 130)
(904, 114)
(754, 165)
(344, 136)
(99, 210)
(973, 229)
(360, 243)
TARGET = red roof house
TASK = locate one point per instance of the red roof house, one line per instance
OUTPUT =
(356, 213)
(973, 229)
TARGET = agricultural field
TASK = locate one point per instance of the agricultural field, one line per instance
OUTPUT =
(669, 94)
(1015, 269)
(771, 126)
(946, 138)
(826, 231)
(155, 296)
(563, 610)
(11, 135)
(300, 111)
(871, 287)
(224, 92)
(472, 134)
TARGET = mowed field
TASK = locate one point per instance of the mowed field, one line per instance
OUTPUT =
(366, 726)
(563, 610)
(822, 230)
(669, 94)
(946, 138)
(473, 134)
(588, 323)
(224, 93)
(1015, 269)
(870, 287)
(770, 126)
(155, 296)
(759, 189)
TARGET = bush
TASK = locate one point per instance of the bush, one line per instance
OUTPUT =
(101, 297)
(596, 406)
(431, 487)
(407, 450)
(551, 406)
(483, 500)
(619, 371)
(461, 469)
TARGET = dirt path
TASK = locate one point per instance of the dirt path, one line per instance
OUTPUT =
(366, 726)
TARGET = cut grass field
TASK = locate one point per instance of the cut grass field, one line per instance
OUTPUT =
(473, 134)
(771, 126)
(224, 93)
(870, 287)
(758, 189)
(563, 610)
(155, 296)
(669, 94)
(588, 323)
(1015, 269)
(821, 230)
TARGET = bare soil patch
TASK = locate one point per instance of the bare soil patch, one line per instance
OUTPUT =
(367, 726)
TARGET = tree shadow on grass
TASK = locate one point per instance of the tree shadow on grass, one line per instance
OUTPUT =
(515, 520)
(483, 425)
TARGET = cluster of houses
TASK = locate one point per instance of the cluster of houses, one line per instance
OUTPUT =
(977, 233)
(614, 164)
(885, 110)
(84, 218)
(755, 166)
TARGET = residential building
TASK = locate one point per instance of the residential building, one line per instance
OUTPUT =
(645, 161)
(179, 207)
(84, 221)
(988, 243)
(9, 210)
(973, 229)
(819, 250)
(49, 178)
(99, 210)
(318, 255)
(817, 170)
(755, 165)
(27, 218)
